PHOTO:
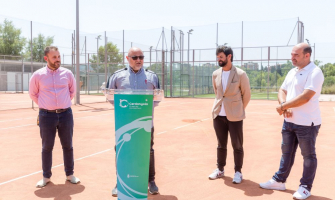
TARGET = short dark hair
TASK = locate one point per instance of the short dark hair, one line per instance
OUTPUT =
(226, 50)
(308, 50)
(49, 48)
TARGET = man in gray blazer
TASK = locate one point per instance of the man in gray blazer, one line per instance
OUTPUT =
(232, 95)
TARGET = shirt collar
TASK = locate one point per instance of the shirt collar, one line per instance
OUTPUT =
(139, 71)
(52, 71)
(307, 67)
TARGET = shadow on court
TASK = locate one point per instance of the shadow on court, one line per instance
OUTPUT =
(252, 189)
(60, 191)
(161, 197)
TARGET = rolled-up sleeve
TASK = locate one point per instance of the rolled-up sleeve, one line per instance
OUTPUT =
(72, 85)
(33, 88)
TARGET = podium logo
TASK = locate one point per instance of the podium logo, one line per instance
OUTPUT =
(124, 104)
(132, 176)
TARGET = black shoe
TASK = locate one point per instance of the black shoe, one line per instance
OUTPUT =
(153, 189)
(114, 192)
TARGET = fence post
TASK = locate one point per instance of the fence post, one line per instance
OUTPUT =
(193, 74)
(171, 52)
(268, 73)
(105, 58)
(31, 56)
(88, 74)
(22, 74)
(163, 69)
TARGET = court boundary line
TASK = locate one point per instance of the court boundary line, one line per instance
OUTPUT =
(100, 152)
(35, 117)
(21, 177)
(36, 125)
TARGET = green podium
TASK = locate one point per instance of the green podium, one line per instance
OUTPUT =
(133, 123)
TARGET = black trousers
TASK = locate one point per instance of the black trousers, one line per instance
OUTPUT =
(152, 171)
(222, 125)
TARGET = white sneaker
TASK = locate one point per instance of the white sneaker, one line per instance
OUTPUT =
(114, 191)
(42, 182)
(273, 185)
(73, 179)
(237, 178)
(216, 174)
(301, 193)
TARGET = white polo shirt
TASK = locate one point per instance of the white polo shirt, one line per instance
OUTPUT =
(296, 81)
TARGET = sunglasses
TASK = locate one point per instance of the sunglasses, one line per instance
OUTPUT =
(137, 57)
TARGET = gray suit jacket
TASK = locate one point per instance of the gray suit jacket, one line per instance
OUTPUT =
(236, 97)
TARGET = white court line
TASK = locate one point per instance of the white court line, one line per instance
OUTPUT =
(35, 117)
(263, 113)
(261, 104)
(334, 109)
(10, 120)
(21, 177)
(161, 132)
(35, 124)
(17, 126)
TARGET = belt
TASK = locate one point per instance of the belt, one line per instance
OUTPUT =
(55, 111)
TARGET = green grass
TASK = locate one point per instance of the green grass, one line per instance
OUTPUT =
(91, 93)
(254, 95)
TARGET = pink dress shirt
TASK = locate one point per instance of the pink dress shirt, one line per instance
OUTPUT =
(52, 90)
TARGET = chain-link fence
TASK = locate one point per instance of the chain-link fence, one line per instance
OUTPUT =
(183, 57)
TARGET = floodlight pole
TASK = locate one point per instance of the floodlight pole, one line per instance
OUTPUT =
(188, 58)
(31, 55)
(77, 55)
(98, 38)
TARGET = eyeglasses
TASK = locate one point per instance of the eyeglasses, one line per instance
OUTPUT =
(137, 57)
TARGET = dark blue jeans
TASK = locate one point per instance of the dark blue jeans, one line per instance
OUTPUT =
(49, 123)
(292, 136)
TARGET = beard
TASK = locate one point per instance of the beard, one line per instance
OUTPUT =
(222, 63)
(54, 65)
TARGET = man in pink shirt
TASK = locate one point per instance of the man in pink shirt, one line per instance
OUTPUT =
(52, 88)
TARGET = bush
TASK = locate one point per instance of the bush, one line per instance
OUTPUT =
(329, 81)
(328, 89)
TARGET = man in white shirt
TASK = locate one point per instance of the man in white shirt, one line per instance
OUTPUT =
(299, 103)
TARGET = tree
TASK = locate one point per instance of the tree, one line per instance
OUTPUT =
(11, 41)
(317, 62)
(114, 58)
(39, 43)
(328, 69)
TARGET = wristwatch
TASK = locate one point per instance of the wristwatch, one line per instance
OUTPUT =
(281, 105)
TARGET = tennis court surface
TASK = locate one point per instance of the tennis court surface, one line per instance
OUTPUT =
(185, 146)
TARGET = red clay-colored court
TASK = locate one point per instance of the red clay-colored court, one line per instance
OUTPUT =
(185, 146)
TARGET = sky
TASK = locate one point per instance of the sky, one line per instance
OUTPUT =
(105, 15)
